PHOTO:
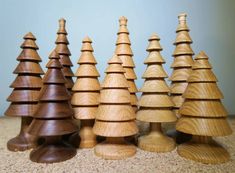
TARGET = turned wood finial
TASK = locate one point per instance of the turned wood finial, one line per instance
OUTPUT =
(62, 23)
(182, 17)
(123, 20)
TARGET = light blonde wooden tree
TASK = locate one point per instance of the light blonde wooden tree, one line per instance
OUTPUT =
(155, 105)
(203, 115)
(115, 118)
(64, 53)
(85, 98)
(124, 52)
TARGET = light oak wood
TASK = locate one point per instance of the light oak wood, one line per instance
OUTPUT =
(203, 91)
(85, 112)
(110, 112)
(155, 115)
(114, 96)
(204, 126)
(86, 84)
(115, 149)
(154, 86)
(201, 55)
(123, 29)
(127, 61)
(182, 23)
(183, 37)
(201, 64)
(156, 141)
(114, 60)
(130, 74)
(115, 80)
(86, 46)
(132, 86)
(154, 71)
(123, 38)
(154, 45)
(155, 100)
(154, 57)
(178, 87)
(180, 74)
(85, 99)
(134, 99)
(182, 61)
(83, 70)
(123, 49)
(202, 75)
(115, 129)
(87, 57)
(117, 68)
(177, 100)
(203, 108)
(203, 149)
(183, 49)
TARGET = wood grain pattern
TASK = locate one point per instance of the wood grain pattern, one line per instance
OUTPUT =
(183, 49)
(180, 74)
(115, 80)
(132, 86)
(154, 45)
(204, 150)
(28, 67)
(115, 129)
(183, 37)
(85, 99)
(85, 112)
(29, 54)
(182, 61)
(203, 108)
(114, 68)
(115, 149)
(201, 64)
(154, 86)
(21, 109)
(178, 100)
(23, 96)
(123, 49)
(154, 57)
(87, 57)
(178, 87)
(26, 81)
(202, 75)
(154, 71)
(114, 96)
(155, 100)
(86, 84)
(155, 141)
(127, 61)
(204, 126)
(82, 71)
(130, 74)
(123, 38)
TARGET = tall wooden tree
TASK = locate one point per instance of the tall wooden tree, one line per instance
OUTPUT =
(124, 52)
(24, 97)
(155, 105)
(64, 53)
(85, 99)
(203, 115)
(115, 118)
(53, 117)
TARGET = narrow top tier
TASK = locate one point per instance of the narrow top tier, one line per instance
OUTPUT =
(182, 23)
(123, 20)
(29, 41)
(154, 43)
(86, 45)
(201, 55)
(62, 29)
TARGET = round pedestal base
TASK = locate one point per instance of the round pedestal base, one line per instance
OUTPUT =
(22, 142)
(156, 143)
(115, 151)
(205, 153)
(51, 153)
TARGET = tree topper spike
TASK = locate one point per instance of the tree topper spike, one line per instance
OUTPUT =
(202, 55)
(182, 17)
(62, 22)
(123, 20)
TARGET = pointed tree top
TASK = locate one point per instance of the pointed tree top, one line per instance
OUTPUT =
(54, 55)
(154, 36)
(54, 60)
(87, 40)
(115, 60)
(201, 55)
(29, 35)
(62, 29)
(123, 20)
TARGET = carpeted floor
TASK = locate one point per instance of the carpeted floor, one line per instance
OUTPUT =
(85, 161)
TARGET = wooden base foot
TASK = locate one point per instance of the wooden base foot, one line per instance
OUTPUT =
(156, 141)
(115, 149)
(88, 138)
(53, 150)
(23, 141)
(203, 149)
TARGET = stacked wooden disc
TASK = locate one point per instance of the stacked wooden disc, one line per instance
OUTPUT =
(24, 97)
(124, 52)
(115, 118)
(182, 64)
(85, 99)
(155, 105)
(53, 117)
(64, 53)
(203, 115)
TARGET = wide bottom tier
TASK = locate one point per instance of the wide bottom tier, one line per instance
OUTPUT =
(53, 150)
(205, 152)
(115, 149)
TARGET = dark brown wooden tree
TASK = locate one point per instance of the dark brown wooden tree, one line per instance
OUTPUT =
(64, 53)
(24, 97)
(53, 117)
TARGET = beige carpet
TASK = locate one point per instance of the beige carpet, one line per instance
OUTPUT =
(85, 161)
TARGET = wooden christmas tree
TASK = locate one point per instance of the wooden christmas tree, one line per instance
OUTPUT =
(24, 97)
(85, 97)
(182, 65)
(64, 53)
(203, 115)
(182, 68)
(155, 105)
(115, 118)
(53, 117)
(124, 52)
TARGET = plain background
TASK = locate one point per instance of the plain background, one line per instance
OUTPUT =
(212, 24)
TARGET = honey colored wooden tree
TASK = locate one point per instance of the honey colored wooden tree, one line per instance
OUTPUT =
(203, 115)
(53, 117)
(115, 118)
(24, 97)
(182, 68)
(155, 105)
(124, 52)
(64, 53)
(85, 99)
